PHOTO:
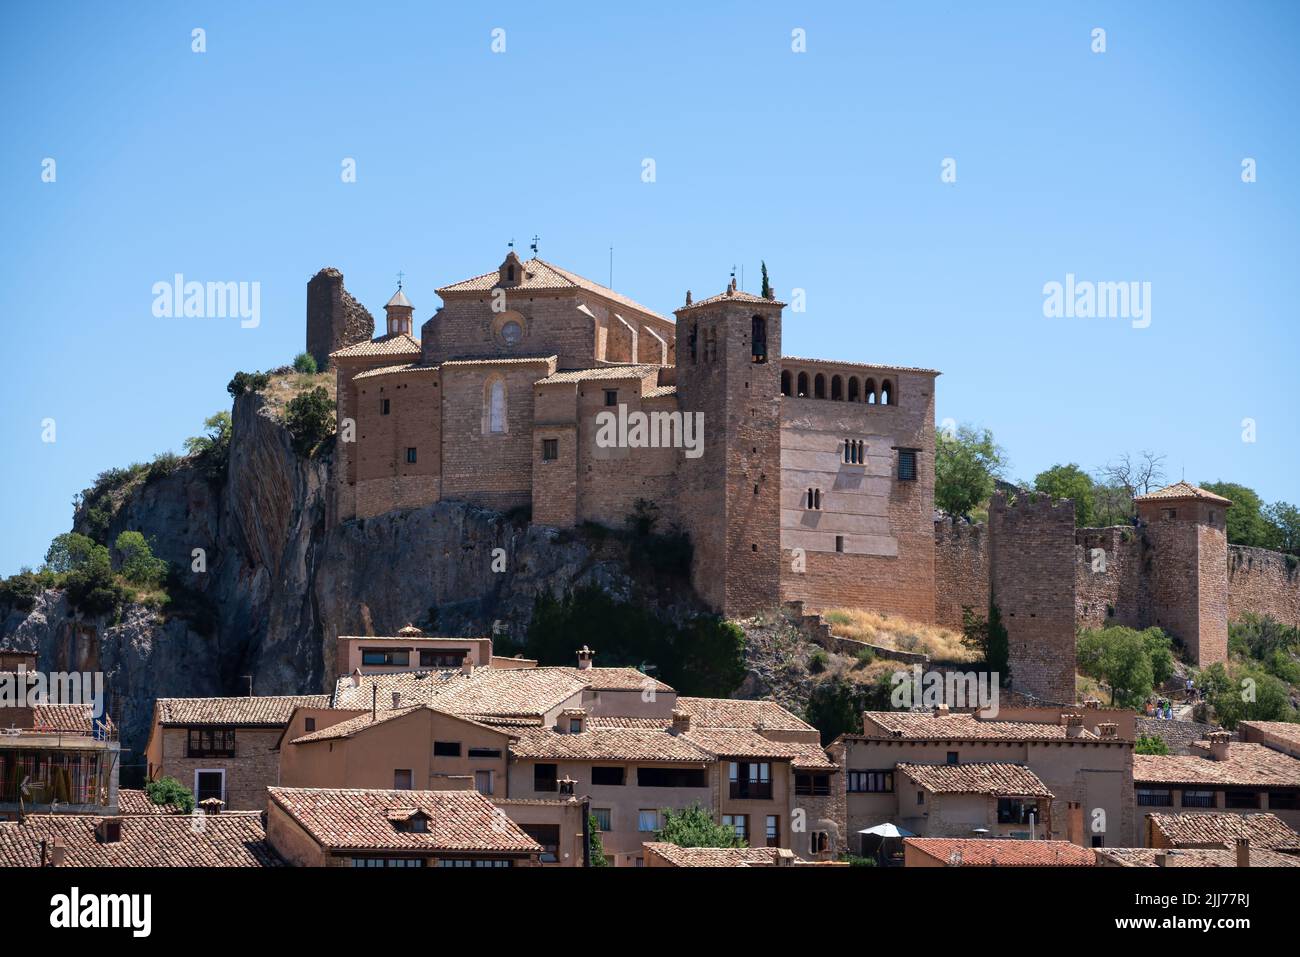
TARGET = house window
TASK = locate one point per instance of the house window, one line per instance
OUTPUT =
(870, 782)
(483, 782)
(814, 499)
(802, 393)
(547, 835)
(670, 778)
(819, 842)
(886, 393)
(544, 776)
(435, 658)
(446, 749)
(1017, 811)
(1284, 800)
(1099, 840)
(1198, 799)
(773, 830)
(819, 386)
(309, 724)
(496, 411)
(739, 824)
(386, 658)
(854, 451)
(693, 339)
(839, 543)
(410, 456)
(1147, 797)
(952, 757)
(473, 862)
(1169, 513)
(907, 465)
(485, 752)
(751, 780)
(550, 450)
(613, 776)
(383, 406)
(511, 333)
(812, 785)
(1241, 799)
(402, 779)
(604, 819)
(785, 381)
(387, 861)
(611, 396)
(211, 743)
(647, 820)
(920, 797)
(209, 784)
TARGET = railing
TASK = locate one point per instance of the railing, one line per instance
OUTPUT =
(752, 790)
(1198, 800)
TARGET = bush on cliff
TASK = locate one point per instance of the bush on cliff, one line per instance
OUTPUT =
(68, 551)
(93, 589)
(309, 417)
(305, 363)
(211, 450)
(18, 592)
(247, 382)
(139, 566)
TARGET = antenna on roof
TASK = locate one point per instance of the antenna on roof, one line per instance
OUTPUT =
(536, 239)
(250, 685)
(611, 267)
(511, 244)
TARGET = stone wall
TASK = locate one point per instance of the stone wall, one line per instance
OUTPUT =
(1263, 582)
(1032, 562)
(1111, 582)
(335, 320)
(961, 571)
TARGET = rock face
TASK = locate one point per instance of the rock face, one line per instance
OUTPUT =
(279, 586)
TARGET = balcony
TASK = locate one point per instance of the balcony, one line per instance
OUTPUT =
(751, 790)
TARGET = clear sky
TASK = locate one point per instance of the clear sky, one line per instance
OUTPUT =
(1122, 166)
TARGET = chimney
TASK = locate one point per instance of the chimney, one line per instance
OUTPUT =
(212, 805)
(108, 830)
(1162, 858)
(356, 678)
(374, 702)
(941, 711)
(58, 853)
(1243, 852)
(1219, 741)
(467, 666)
(1108, 730)
(1073, 725)
(1074, 823)
(681, 721)
(585, 655)
(1092, 702)
(397, 700)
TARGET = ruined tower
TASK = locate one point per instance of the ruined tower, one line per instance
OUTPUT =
(334, 318)
(1186, 527)
(728, 369)
(1032, 582)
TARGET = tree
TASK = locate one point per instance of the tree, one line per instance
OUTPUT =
(91, 587)
(695, 827)
(767, 287)
(309, 417)
(1068, 482)
(247, 382)
(967, 464)
(1121, 658)
(170, 792)
(139, 566)
(1245, 521)
(835, 705)
(217, 439)
(68, 551)
(1150, 744)
(1285, 519)
(595, 846)
(1245, 692)
(1159, 650)
(305, 363)
(1136, 476)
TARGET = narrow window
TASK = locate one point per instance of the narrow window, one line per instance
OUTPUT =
(886, 393)
(906, 465)
(446, 749)
(758, 337)
(483, 782)
(693, 338)
(785, 381)
(310, 724)
(497, 407)
(611, 396)
(550, 450)
(604, 819)
(410, 456)
(869, 392)
(402, 779)
(837, 388)
(383, 406)
(819, 386)
(854, 389)
(803, 385)
(839, 543)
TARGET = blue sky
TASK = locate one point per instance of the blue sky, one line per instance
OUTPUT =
(225, 166)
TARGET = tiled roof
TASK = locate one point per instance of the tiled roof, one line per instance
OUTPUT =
(1193, 857)
(1182, 490)
(1263, 830)
(363, 722)
(618, 679)
(1248, 765)
(68, 718)
(979, 778)
(252, 711)
(352, 819)
(394, 370)
(735, 713)
(875, 367)
(396, 344)
(608, 744)
(926, 726)
(989, 852)
(717, 856)
(541, 275)
(743, 743)
(659, 392)
(1286, 730)
(499, 361)
(414, 686)
(229, 839)
(399, 299)
(131, 801)
(601, 372)
(736, 295)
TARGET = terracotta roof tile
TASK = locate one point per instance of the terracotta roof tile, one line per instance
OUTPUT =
(717, 856)
(926, 726)
(744, 743)
(979, 778)
(602, 372)
(541, 275)
(730, 295)
(251, 711)
(608, 744)
(353, 819)
(363, 722)
(229, 839)
(1248, 765)
(131, 801)
(876, 367)
(1188, 830)
(977, 852)
(394, 370)
(1182, 490)
(1193, 857)
(499, 361)
(396, 344)
(736, 713)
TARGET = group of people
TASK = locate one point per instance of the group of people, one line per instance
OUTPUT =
(1163, 708)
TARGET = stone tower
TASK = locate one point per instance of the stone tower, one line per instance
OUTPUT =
(1031, 578)
(729, 369)
(1186, 527)
(334, 318)
(400, 313)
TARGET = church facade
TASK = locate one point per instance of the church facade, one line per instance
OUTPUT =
(535, 388)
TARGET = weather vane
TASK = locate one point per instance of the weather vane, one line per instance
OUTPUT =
(536, 239)
(400, 276)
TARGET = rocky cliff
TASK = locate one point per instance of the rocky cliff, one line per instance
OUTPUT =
(269, 586)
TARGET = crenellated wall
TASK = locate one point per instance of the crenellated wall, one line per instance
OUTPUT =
(1263, 583)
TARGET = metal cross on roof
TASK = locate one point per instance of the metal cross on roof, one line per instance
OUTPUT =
(400, 276)
(536, 239)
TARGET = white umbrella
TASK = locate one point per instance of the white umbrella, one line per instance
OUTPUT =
(887, 830)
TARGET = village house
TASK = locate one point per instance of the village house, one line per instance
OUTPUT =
(57, 757)
(1220, 775)
(1240, 855)
(357, 827)
(1220, 829)
(663, 854)
(964, 775)
(222, 748)
(1281, 736)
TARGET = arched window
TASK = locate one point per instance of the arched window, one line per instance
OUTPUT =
(819, 386)
(869, 392)
(803, 385)
(837, 388)
(785, 381)
(886, 393)
(494, 414)
(693, 339)
(758, 336)
(853, 388)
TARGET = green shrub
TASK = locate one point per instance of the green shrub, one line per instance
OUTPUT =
(1245, 692)
(139, 566)
(309, 417)
(168, 791)
(595, 846)
(247, 382)
(68, 551)
(1130, 662)
(818, 661)
(212, 450)
(164, 464)
(19, 591)
(1150, 744)
(835, 705)
(694, 827)
(92, 588)
(305, 363)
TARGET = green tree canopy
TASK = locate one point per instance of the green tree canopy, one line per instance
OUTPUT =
(1245, 520)
(695, 827)
(68, 551)
(1123, 659)
(1245, 692)
(1072, 482)
(139, 566)
(967, 464)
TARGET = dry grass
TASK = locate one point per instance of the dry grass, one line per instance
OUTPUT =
(284, 386)
(900, 634)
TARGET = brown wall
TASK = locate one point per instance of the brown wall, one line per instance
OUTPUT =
(254, 768)
(1263, 583)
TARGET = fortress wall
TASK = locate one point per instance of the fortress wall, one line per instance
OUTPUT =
(610, 480)
(1263, 582)
(1110, 578)
(961, 571)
